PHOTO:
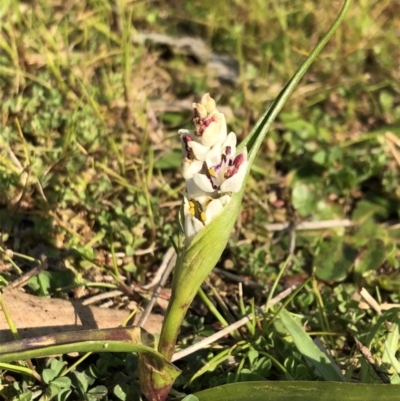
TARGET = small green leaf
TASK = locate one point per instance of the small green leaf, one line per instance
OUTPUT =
(48, 375)
(57, 365)
(253, 356)
(304, 198)
(121, 391)
(371, 257)
(62, 382)
(52, 390)
(63, 395)
(98, 391)
(308, 349)
(365, 209)
(334, 260)
(386, 101)
(320, 157)
(24, 397)
(246, 375)
(82, 381)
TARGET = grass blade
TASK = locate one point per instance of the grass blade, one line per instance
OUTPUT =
(308, 349)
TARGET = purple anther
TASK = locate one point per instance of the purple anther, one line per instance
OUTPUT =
(186, 139)
(239, 159)
(204, 123)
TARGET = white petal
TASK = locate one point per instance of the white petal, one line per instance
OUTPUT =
(199, 150)
(231, 142)
(185, 204)
(193, 189)
(213, 156)
(234, 183)
(211, 134)
(192, 227)
(208, 102)
(203, 182)
(244, 153)
(201, 110)
(216, 131)
(214, 208)
(224, 129)
(191, 224)
(225, 199)
(190, 168)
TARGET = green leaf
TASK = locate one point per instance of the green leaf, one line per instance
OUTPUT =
(300, 391)
(24, 397)
(248, 375)
(62, 382)
(334, 260)
(82, 381)
(98, 391)
(304, 198)
(371, 257)
(121, 390)
(320, 157)
(365, 209)
(48, 375)
(52, 390)
(63, 395)
(57, 365)
(308, 349)
(41, 283)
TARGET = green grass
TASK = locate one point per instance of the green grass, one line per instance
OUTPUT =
(89, 169)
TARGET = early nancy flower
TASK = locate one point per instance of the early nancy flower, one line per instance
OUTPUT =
(198, 212)
(223, 171)
(211, 168)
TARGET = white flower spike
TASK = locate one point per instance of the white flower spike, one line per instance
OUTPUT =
(210, 166)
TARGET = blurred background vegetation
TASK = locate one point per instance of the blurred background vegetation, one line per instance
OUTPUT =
(93, 93)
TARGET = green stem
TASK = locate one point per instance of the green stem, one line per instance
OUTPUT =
(171, 326)
(212, 308)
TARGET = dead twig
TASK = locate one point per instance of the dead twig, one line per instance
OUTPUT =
(311, 225)
(238, 279)
(100, 297)
(21, 281)
(160, 279)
